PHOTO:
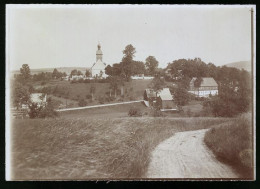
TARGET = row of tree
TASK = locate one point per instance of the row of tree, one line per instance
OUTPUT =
(234, 85)
(129, 67)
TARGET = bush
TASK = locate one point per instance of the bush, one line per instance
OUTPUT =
(157, 113)
(42, 112)
(88, 96)
(82, 102)
(101, 100)
(48, 111)
(134, 112)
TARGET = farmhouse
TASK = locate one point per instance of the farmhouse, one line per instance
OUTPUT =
(163, 98)
(203, 87)
(98, 68)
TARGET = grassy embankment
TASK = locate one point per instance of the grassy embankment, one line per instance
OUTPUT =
(133, 90)
(92, 148)
(232, 143)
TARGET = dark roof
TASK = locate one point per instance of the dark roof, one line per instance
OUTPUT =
(206, 82)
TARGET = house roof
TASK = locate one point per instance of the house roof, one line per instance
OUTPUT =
(206, 82)
(36, 98)
(165, 94)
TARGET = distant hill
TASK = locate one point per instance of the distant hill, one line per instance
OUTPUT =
(60, 69)
(246, 65)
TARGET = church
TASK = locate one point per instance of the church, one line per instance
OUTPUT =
(98, 68)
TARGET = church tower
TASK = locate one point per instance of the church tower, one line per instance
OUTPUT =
(99, 53)
(98, 68)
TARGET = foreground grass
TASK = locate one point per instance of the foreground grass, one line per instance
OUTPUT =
(232, 143)
(87, 149)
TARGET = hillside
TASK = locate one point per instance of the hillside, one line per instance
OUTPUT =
(65, 148)
(60, 69)
(246, 65)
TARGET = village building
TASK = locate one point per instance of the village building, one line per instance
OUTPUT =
(163, 99)
(206, 87)
(98, 68)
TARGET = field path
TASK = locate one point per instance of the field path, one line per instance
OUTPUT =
(185, 155)
(97, 106)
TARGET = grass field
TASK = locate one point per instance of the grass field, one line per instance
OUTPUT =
(117, 111)
(232, 143)
(92, 148)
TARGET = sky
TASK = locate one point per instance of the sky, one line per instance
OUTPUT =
(47, 36)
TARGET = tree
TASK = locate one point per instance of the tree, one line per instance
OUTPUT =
(151, 64)
(157, 84)
(109, 70)
(129, 52)
(79, 72)
(87, 73)
(114, 83)
(138, 67)
(21, 95)
(25, 72)
(92, 91)
(73, 72)
(181, 96)
(127, 60)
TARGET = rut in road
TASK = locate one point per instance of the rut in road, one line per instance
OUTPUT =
(185, 155)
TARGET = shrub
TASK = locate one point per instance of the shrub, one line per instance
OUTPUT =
(82, 102)
(157, 113)
(134, 112)
(88, 96)
(101, 100)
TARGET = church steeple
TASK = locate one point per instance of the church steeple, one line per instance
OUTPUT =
(99, 53)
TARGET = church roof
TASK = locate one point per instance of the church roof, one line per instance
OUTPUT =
(99, 65)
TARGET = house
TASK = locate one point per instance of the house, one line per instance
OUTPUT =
(203, 87)
(98, 68)
(163, 98)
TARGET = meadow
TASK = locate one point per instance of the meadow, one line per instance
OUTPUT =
(91, 148)
(232, 143)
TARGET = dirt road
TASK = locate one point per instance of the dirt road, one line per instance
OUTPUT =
(185, 155)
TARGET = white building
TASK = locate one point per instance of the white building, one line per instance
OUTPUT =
(207, 86)
(98, 68)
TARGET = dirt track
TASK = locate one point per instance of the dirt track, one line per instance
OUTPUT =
(185, 155)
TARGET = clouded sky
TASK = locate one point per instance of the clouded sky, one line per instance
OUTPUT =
(67, 36)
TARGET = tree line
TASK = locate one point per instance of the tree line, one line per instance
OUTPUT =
(234, 85)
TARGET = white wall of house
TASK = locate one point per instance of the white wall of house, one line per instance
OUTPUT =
(204, 93)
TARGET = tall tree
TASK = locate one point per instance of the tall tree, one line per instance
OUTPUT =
(114, 83)
(151, 64)
(55, 73)
(126, 64)
(25, 72)
(157, 84)
(20, 95)
(138, 67)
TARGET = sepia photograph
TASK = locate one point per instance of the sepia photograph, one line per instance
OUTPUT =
(130, 92)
